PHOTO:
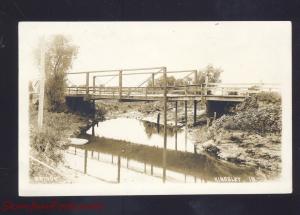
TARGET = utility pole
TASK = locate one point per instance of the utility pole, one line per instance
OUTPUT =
(165, 124)
(42, 86)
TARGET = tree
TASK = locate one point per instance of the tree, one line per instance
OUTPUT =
(212, 73)
(59, 56)
(159, 82)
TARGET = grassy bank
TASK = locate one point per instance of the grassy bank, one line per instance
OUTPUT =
(48, 144)
(250, 134)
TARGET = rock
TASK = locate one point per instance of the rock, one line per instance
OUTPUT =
(237, 137)
(213, 150)
(210, 147)
(208, 143)
(232, 152)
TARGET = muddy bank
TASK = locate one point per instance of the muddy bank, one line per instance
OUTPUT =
(247, 149)
(250, 135)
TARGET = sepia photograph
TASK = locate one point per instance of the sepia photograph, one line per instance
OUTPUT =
(155, 108)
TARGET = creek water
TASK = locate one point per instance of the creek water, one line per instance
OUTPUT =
(131, 150)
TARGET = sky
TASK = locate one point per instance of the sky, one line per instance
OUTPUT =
(247, 52)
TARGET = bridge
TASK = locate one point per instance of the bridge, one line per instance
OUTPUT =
(213, 95)
(235, 92)
(216, 96)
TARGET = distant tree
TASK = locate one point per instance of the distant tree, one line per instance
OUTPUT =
(183, 81)
(59, 56)
(159, 82)
(212, 73)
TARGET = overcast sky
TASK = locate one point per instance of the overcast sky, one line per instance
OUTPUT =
(248, 52)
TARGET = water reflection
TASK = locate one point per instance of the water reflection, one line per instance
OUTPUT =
(154, 128)
(116, 161)
(145, 133)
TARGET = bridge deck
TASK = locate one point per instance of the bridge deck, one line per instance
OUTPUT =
(156, 97)
(174, 93)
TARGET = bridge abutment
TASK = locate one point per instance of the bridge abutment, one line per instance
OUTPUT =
(215, 109)
(81, 104)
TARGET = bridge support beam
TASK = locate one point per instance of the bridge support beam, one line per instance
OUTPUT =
(185, 112)
(119, 169)
(195, 112)
(176, 110)
(85, 161)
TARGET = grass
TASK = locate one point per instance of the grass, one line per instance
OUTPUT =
(48, 143)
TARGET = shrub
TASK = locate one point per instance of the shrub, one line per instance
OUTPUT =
(259, 120)
(49, 142)
(269, 97)
(260, 113)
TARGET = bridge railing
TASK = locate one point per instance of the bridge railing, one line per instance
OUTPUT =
(212, 89)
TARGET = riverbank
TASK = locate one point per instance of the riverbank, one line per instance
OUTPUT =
(48, 144)
(250, 135)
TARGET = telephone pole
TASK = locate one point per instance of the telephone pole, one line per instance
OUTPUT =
(42, 86)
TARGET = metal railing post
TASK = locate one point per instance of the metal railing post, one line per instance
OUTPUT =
(94, 84)
(120, 84)
(87, 82)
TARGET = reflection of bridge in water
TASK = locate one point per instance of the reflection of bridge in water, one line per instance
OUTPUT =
(121, 157)
(216, 96)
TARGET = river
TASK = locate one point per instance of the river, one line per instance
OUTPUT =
(129, 150)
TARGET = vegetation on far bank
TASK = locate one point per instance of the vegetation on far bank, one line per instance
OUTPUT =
(260, 114)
